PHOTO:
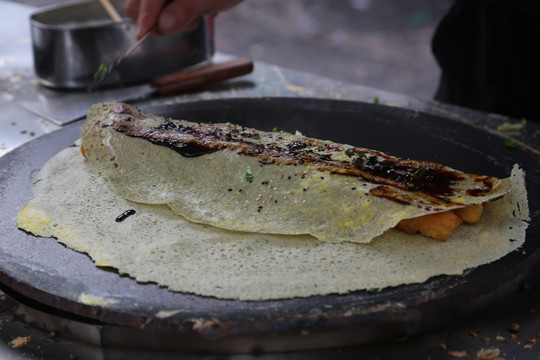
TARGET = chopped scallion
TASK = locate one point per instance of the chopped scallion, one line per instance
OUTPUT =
(248, 175)
(510, 144)
(100, 71)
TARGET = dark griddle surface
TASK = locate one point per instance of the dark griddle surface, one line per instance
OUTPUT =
(56, 276)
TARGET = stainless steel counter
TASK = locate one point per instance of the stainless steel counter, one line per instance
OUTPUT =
(28, 110)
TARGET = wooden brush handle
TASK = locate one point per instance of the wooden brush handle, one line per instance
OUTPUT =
(202, 76)
(111, 10)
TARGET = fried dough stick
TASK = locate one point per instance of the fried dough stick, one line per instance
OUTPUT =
(470, 214)
(441, 225)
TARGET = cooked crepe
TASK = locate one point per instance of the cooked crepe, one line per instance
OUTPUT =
(78, 207)
(237, 178)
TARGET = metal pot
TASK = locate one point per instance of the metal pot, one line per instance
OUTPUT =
(71, 41)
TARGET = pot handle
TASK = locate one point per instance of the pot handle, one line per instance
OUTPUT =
(202, 76)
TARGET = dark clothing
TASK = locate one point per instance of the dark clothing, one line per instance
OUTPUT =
(489, 54)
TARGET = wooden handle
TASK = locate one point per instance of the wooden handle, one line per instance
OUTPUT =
(111, 10)
(198, 77)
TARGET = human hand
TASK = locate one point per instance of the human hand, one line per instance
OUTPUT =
(172, 16)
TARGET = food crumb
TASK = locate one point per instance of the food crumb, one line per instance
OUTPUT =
(514, 328)
(443, 346)
(510, 127)
(19, 341)
(473, 333)
(402, 339)
(490, 353)
(296, 89)
(458, 354)
(500, 338)
(531, 342)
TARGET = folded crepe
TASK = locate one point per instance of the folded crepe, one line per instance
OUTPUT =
(152, 244)
(242, 179)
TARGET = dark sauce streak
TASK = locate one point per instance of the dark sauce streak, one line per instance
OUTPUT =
(390, 194)
(323, 157)
(411, 176)
(119, 109)
(433, 181)
(296, 145)
(487, 182)
(185, 149)
(125, 215)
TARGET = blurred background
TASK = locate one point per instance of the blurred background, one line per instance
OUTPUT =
(384, 44)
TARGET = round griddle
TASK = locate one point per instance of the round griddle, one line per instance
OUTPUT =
(146, 315)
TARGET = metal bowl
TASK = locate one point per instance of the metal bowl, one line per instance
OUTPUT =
(71, 41)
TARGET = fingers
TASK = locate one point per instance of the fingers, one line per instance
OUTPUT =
(191, 25)
(183, 15)
(149, 11)
(178, 15)
(131, 9)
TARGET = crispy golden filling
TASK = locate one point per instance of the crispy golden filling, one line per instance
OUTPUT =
(441, 226)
